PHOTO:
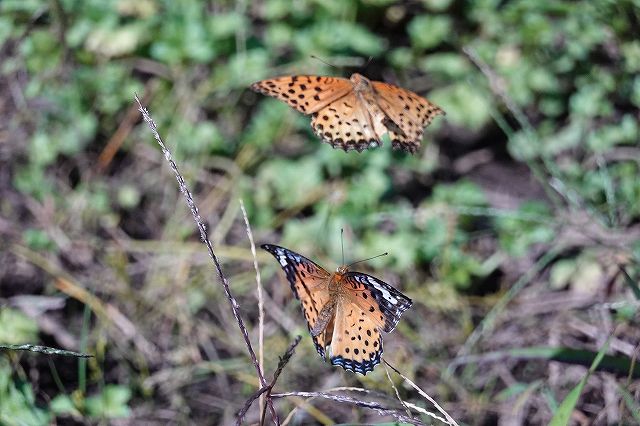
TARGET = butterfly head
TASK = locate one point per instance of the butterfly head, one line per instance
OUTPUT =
(341, 270)
(360, 82)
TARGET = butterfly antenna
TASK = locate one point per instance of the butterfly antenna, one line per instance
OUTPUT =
(342, 243)
(368, 62)
(370, 258)
(324, 62)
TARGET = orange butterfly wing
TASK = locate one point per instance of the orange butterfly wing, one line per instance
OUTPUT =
(356, 344)
(370, 306)
(310, 284)
(306, 93)
(345, 124)
(408, 114)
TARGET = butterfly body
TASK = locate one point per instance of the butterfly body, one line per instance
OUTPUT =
(345, 311)
(355, 113)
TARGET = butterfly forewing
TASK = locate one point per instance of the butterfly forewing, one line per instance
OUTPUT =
(306, 93)
(309, 283)
(388, 304)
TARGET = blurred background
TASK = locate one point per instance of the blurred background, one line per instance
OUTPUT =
(515, 229)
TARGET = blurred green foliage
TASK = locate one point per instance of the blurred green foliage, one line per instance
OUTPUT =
(17, 401)
(110, 403)
(16, 327)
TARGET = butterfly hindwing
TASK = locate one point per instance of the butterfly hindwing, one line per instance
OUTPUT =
(407, 112)
(309, 283)
(369, 307)
(356, 344)
(345, 124)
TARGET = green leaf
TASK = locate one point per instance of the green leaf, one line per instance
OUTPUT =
(631, 54)
(561, 273)
(606, 137)
(110, 403)
(37, 239)
(530, 224)
(451, 65)
(466, 105)
(334, 35)
(241, 70)
(128, 196)
(16, 327)
(113, 42)
(225, 25)
(462, 193)
(63, 404)
(428, 31)
(617, 364)
(17, 402)
(563, 414)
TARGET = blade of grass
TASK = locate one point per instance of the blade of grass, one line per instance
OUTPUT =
(449, 419)
(260, 298)
(82, 363)
(563, 414)
(630, 282)
(609, 193)
(631, 403)
(386, 370)
(616, 364)
(56, 376)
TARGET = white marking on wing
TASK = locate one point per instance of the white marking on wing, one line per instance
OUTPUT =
(384, 291)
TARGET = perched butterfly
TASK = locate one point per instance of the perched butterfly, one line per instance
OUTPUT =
(355, 113)
(345, 311)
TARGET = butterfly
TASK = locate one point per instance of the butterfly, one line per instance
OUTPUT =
(345, 311)
(355, 113)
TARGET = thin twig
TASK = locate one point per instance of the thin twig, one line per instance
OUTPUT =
(498, 87)
(383, 411)
(408, 404)
(281, 364)
(204, 236)
(260, 298)
(449, 420)
(386, 370)
(284, 359)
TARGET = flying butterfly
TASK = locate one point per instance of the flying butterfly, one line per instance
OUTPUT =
(345, 311)
(355, 113)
